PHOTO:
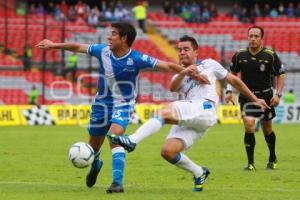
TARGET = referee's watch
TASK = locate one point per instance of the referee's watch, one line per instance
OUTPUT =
(279, 95)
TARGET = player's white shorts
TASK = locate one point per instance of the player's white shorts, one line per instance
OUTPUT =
(195, 118)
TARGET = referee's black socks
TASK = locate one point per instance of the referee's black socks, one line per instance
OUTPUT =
(271, 140)
(249, 141)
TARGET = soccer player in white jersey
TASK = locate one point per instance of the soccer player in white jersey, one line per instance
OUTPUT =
(111, 108)
(191, 117)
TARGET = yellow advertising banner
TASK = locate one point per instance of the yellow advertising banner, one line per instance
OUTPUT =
(70, 114)
(229, 114)
(9, 115)
(24, 110)
(146, 111)
(80, 114)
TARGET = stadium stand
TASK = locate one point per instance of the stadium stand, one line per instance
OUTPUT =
(218, 39)
(227, 34)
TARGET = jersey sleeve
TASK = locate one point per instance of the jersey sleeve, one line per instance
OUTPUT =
(219, 71)
(146, 61)
(234, 66)
(277, 67)
(95, 49)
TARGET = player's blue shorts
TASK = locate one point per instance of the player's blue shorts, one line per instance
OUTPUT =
(103, 116)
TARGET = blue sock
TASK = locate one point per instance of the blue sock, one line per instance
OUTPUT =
(118, 164)
(176, 159)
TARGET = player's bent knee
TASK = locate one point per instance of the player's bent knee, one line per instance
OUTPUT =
(167, 113)
(168, 154)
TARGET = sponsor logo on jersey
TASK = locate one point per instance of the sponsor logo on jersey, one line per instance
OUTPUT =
(145, 57)
(129, 61)
(270, 115)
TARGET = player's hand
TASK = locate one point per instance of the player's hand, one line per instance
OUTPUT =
(262, 104)
(229, 98)
(192, 71)
(45, 44)
(275, 100)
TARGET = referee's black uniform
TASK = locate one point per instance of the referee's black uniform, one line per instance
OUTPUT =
(257, 72)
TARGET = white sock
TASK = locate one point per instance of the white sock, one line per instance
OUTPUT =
(151, 126)
(187, 164)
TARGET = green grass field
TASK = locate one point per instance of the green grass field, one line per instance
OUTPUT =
(34, 165)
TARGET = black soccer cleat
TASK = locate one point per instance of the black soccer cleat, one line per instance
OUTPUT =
(91, 177)
(123, 141)
(272, 165)
(250, 167)
(199, 181)
(115, 188)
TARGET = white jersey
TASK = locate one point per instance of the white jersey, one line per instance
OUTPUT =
(193, 90)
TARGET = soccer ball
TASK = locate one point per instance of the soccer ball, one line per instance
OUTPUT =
(81, 154)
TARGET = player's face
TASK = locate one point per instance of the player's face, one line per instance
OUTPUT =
(114, 40)
(187, 55)
(254, 38)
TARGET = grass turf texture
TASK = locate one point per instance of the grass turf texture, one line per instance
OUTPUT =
(34, 165)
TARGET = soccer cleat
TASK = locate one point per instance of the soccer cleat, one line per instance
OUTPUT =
(272, 165)
(249, 167)
(115, 188)
(199, 182)
(123, 141)
(91, 177)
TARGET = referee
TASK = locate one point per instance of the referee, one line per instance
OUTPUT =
(257, 65)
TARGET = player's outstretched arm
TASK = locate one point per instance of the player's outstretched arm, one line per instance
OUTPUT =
(69, 46)
(240, 86)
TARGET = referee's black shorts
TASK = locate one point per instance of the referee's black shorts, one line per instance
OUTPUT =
(249, 109)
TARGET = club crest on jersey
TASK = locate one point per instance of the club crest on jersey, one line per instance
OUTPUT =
(262, 67)
(129, 61)
(270, 115)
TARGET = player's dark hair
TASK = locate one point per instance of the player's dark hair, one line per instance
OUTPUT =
(190, 39)
(127, 30)
(262, 32)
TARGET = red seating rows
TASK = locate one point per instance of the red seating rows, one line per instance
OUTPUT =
(208, 52)
(17, 96)
(282, 33)
(16, 32)
(13, 96)
(150, 48)
(164, 78)
(9, 61)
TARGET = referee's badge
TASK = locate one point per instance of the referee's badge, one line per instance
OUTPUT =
(270, 115)
(262, 67)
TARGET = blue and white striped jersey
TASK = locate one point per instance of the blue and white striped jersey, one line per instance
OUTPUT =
(118, 76)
